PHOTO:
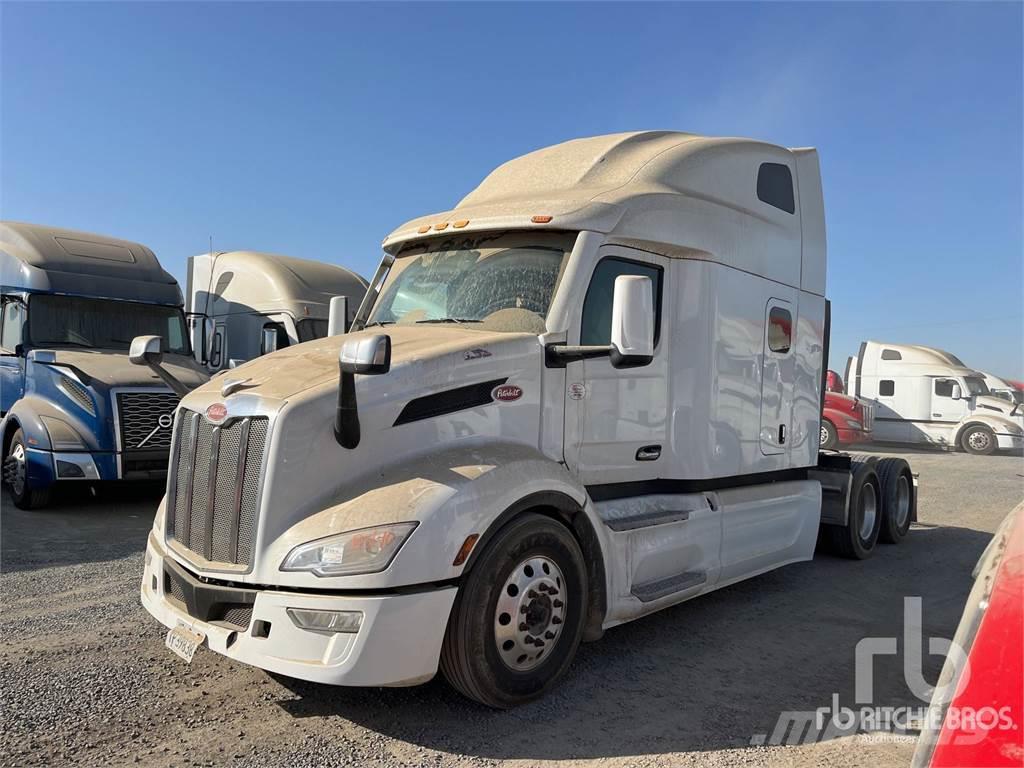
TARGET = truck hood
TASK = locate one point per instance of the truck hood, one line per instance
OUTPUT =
(287, 372)
(113, 369)
(987, 403)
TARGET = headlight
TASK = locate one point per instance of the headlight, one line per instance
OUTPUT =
(367, 550)
(63, 437)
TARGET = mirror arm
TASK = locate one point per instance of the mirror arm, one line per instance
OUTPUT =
(559, 355)
(346, 419)
(176, 386)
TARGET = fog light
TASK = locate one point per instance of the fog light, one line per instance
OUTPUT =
(326, 621)
(67, 469)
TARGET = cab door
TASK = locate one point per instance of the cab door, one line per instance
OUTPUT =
(616, 419)
(777, 371)
(943, 407)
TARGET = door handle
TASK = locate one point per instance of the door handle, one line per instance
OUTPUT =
(782, 434)
(648, 453)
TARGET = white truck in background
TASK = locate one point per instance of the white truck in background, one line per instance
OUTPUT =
(590, 391)
(243, 304)
(928, 396)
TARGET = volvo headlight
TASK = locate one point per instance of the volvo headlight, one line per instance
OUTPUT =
(63, 437)
(366, 550)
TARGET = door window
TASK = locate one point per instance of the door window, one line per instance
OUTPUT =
(780, 330)
(944, 387)
(596, 324)
(13, 319)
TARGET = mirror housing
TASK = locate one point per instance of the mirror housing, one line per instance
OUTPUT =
(42, 356)
(268, 342)
(337, 316)
(369, 356)
(632, 322)
(145, 350)
(957, 393)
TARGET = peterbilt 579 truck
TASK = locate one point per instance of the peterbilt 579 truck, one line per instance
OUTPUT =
(590, 391)
(75, 410)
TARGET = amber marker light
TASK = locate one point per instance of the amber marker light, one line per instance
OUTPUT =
(465, 549)
(541, 219)
(440, 227)
(460, 224)
(424, 230)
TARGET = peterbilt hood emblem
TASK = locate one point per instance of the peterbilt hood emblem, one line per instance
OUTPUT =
(507, 393)
(216, 413)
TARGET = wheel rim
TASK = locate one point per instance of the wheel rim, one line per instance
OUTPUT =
(823, 437)
(902, 501)
(978, 440)
(868, 510)
(530, 613)
(15, 469)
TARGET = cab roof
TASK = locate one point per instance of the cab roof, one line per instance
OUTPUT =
(679, 194)
(34, 257)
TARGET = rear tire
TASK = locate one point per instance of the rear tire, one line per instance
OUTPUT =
(856, 540)
(897, 485)
(828, 437)
(15, 474)
(979, 440)
(515, 628)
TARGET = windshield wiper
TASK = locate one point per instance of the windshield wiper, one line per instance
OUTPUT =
(450, 320)
(381, 323)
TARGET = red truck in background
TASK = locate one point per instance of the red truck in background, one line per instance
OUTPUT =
(845, 420)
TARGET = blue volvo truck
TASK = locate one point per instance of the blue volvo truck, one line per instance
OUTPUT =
(74, 408)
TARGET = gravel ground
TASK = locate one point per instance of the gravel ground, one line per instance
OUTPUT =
(85, 678)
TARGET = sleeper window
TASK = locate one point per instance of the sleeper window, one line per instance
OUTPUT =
(596, 326)
(891, 354)
(886, 387)
(780, 330)
(775, 186)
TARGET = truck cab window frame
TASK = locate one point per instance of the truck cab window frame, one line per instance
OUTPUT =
(596, 312)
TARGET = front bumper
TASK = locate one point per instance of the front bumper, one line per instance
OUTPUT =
(1007, 442)
(398, 642)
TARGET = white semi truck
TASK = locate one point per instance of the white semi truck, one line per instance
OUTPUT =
(243, 304)
(928, 396)
(590, 391)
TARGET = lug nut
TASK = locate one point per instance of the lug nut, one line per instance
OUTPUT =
(523, 627)
(557, 603)
(555, 620)
(532, 595)
(542, 587)
(549, 635)
(522, 609)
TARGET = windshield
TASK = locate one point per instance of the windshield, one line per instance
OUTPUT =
(102, 323)
(975, 385)
(497, 282)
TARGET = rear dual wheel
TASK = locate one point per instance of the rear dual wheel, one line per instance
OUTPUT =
(856, 539)
(897, 489)
(518, 618)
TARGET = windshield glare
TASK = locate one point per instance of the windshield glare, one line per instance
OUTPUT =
(495, 282)
(975, 385)
(103, 323)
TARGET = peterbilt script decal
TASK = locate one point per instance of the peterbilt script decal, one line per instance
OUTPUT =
(507, 393)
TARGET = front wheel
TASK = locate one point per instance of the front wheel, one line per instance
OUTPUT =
(979, 439)
(15, 472)
(518, 619)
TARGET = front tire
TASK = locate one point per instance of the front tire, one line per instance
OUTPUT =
(979, 440)
(15, 474)
(519, 615)
(828, 438)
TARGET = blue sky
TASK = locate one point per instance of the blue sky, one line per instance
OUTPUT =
(313, 130)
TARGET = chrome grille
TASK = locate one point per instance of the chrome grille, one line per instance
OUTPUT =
(214, 494)
(145, 419)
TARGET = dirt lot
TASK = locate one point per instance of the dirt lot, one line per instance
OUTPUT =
(85, 678)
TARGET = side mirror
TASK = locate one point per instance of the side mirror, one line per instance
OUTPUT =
(370, 355)
(209, 328)
(957, 393)
(41, 355)
(632, 322)
(145, 350)
(337, 316)
(268, 343)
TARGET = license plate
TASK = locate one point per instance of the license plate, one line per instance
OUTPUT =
(183, 641)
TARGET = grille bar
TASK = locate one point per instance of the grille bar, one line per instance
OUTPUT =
(213, 496)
